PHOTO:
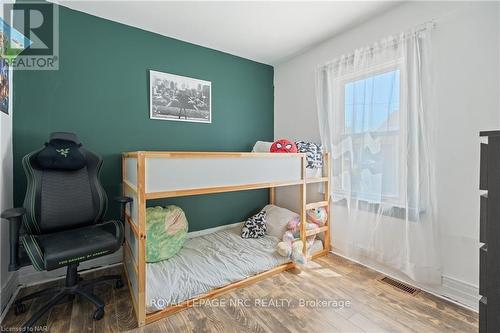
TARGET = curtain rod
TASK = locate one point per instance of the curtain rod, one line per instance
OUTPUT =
(430, 24)
(424, 26)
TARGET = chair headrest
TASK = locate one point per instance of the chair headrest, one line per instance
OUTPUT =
(65, 136)
(62, 152)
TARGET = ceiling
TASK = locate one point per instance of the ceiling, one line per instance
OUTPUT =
(269, 32)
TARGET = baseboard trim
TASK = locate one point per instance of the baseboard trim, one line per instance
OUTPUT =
(452, 290)
(461, 292)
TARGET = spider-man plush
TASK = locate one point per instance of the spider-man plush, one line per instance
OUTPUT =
(283, 146)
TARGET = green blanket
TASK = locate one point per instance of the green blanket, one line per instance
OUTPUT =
(166, 231)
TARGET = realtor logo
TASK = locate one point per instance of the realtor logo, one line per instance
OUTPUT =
(30, 31)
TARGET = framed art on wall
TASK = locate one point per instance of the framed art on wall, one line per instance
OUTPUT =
(4, 86)
(179, 98)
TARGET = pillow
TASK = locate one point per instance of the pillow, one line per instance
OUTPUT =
(255, 226)
(60, 154)
(283, 146)
(262, 147)
(314, 154)
(166, 231)
(277, 219)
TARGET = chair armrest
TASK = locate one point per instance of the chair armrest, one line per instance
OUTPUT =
(13, 213)
(14, 216)
(123, 200)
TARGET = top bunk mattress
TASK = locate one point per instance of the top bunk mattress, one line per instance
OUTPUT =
(208, 262)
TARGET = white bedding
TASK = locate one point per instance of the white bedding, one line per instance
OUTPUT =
(207, 262)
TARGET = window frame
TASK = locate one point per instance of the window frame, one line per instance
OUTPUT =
(339, 86)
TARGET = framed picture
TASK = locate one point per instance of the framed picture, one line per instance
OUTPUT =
(5, 82)
(179, 98)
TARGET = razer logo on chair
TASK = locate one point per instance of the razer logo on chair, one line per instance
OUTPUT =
(63, 152)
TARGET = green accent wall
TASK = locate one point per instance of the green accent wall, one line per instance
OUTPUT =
(101, 92)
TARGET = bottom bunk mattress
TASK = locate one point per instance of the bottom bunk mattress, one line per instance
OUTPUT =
(208, 262)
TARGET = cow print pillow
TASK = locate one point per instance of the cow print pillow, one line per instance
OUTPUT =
(255, 226)
(314, 154)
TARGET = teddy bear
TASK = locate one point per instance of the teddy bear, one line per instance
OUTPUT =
(291, 246)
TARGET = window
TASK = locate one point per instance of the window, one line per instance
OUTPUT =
(373, 131)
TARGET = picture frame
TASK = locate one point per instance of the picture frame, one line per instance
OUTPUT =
(5, 86)
(179, 98)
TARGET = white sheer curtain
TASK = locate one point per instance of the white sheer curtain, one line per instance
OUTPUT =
(375, 116)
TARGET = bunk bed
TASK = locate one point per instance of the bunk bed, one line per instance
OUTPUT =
(148, 175)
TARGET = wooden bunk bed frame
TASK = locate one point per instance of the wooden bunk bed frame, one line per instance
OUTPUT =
(135, 185)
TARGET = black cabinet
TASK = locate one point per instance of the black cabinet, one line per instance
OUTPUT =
(489, 234)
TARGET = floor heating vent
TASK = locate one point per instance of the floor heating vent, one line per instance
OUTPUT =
(400, 285)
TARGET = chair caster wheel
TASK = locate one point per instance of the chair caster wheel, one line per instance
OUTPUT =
(98, 314)
(119, 284)
(19, 308)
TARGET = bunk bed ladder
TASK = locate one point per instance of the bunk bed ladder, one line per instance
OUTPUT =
(325, 179)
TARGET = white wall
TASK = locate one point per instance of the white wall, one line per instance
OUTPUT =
(8, 280)
(467, 62)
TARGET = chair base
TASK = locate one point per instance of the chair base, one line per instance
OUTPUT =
(74, 285)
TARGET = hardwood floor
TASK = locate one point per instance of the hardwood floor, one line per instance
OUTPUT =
(263, 307)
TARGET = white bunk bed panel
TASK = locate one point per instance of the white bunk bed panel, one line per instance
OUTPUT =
(171, 174)
(131, 274)
(131, 208)
(132, 242)
(131, 171)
